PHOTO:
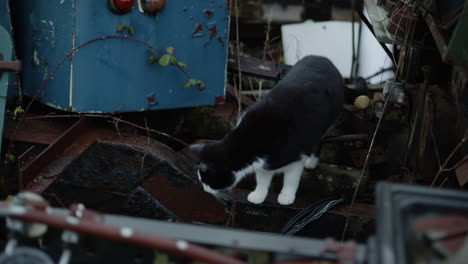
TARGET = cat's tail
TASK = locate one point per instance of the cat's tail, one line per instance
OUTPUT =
(358, 88)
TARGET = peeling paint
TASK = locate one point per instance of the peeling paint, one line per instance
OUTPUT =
(208, 13)
(140, 8)
(214, 31)
(198, 32)
(50, 24)
(35, 58)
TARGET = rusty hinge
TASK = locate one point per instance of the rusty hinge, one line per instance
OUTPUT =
(10, 66)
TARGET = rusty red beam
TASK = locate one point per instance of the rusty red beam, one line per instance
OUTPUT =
(28, 172)
(439, 38)
(10, 66)
(128, 235)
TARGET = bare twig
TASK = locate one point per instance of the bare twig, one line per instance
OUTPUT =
(115, 122)
(436, 149)
(239, 99)
(442, 184)
(442, 168)
(148, 149)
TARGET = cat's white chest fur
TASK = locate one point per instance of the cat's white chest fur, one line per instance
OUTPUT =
(292, 174)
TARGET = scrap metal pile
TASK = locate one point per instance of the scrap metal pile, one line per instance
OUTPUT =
(143, 200)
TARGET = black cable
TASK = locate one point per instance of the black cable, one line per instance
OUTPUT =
(369, 25)
(307, 215)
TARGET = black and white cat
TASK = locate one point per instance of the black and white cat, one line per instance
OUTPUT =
(278, 134)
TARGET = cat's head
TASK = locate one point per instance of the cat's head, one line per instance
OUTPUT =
(212, 170)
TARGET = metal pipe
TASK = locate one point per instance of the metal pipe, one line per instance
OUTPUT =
(126, 234)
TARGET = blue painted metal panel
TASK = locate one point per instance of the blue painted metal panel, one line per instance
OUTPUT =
(111, 73)
(6, 49)
(6, 24)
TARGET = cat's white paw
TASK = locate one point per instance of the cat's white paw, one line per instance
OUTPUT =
(257, 197)
(311, 162)
(286, 198)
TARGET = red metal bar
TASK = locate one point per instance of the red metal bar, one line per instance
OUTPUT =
(11, 66)
(128, 235)
(27, 173)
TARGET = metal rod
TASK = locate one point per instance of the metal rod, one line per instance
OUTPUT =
(45, 157)
(126, 234)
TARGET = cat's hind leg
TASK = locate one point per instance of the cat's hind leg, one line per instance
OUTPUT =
(311, 162)
(292, 177)
(263, 178)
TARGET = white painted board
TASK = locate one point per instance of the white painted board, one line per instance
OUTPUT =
(332, 39)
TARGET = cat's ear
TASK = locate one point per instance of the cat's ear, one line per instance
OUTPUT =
(197, 149)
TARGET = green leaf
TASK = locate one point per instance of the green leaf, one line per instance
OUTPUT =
(11, 157)
(194, 82)
(173, 60)
(120, 28)
(201, 86)
(183, 65)
(152, 59)
(170, 50)
(18, 110)
(165, 59)
(131, 30)
(187, 84)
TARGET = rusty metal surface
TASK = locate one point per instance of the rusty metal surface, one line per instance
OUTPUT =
(185, 199)
(40, 131)
(447, 234)
(11, 66)
(258, 67)
(116, 171)
(27, 173)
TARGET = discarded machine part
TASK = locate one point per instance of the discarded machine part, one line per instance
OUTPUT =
(414, 222)
(394, 92)
(152, 7)
(178, 239)
(26, 255)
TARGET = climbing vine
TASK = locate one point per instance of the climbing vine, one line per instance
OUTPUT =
(167, 58)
